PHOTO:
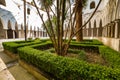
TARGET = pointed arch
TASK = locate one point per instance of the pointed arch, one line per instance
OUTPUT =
(38, 32)
(9, 31)
(94, 23)
(2, 31)
(22, 31)
(112, 29)
(3, 2)
(9, 24)
(92, 5)
(16, 30)
(16, 26)
(89, 29)
(100, 29)
(94, 29)
(30, 31)
(30, 28)
(34, 31)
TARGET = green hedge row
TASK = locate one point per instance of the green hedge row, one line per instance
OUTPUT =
(85, 47)
(43, 45)
(112, 56)
(48, 44)
(13, 46)
(64, 68)
(88, 42)
(67, 68)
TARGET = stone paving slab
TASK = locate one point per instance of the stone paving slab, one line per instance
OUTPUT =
(4, 73)
(16, 71)
(20, 73)
(5, 57)
(2, 65)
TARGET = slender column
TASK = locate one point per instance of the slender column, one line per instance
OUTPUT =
(19, 32)
(117, 31)
(25, 20)
(13, 34)
(112, 29)
(6, 36)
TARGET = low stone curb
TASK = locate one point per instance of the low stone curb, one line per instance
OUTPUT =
(4, 72)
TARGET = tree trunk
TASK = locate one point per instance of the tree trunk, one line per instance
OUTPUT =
(62, 45)
(79, 35)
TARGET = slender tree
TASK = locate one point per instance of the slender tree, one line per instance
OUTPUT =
(25, 31)
(59, 30)
(80, 4)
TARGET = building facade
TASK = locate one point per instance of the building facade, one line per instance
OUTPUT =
(105, 24)
(12, 17)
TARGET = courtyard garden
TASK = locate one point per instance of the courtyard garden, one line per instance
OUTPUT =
(85, 60)
(61, 39)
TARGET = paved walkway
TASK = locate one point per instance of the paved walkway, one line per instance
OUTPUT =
(15, 69)
(4, 72)
(11, 66)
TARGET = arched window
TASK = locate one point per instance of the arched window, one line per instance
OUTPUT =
(9, 25)
(16, 30)
(9, 31)
(2, 31)
(2, 2)
(92, 5)
(28, 11)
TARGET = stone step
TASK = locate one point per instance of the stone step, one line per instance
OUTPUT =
(4, 72)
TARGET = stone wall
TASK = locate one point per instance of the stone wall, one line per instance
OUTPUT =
(111, 42)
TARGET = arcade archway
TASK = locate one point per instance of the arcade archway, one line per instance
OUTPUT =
(9, 31)
(16, 31)
(2, 31)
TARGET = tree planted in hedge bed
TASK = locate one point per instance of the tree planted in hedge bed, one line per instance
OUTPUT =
(111, 56)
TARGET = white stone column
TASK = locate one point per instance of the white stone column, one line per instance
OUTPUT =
(42, 33)
(13, 34)
(103, 32)
(19, 34)
(87, 32)
(116, 29)
(47, 35)
(6, 34)
(112, 30)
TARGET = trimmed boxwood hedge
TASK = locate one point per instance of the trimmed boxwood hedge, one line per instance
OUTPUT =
(41, 58)
(89, 48)
(13, 46)
(88, 42)
(112, 56)
(64, 68)
(43, 46)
